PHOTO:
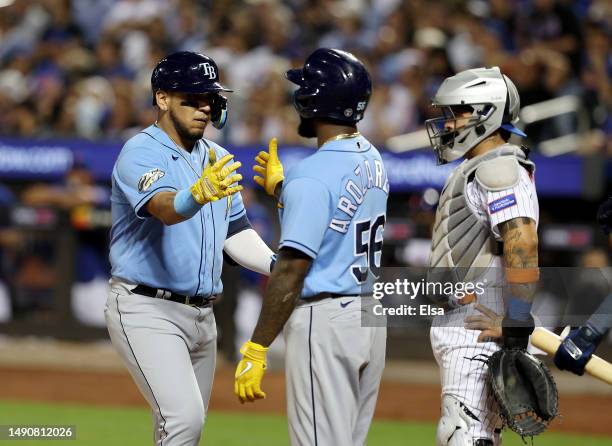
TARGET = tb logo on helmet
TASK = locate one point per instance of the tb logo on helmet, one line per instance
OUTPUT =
(208, 70)
(192, 73)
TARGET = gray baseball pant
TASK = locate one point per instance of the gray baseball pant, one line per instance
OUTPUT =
(333, 369)
(170, 350)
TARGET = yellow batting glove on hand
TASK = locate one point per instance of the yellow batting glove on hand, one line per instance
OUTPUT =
(250, 371)
(270, 168)
(216, 180)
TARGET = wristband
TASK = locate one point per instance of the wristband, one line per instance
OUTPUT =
(515, 334)
(254, 351)
(185, 204)
(518, 310)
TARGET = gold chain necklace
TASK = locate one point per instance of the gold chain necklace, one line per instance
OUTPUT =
(342, 136)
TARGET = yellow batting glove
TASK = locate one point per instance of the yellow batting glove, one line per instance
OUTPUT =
(216, 180)
(270, 168)
(250, 371)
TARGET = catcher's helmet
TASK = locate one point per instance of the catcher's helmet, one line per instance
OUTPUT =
(332, 84)
(494, 102)
(190, 72)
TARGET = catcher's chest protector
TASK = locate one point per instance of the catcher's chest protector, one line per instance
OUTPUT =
(461, 241)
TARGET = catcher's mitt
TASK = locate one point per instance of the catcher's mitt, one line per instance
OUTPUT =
(524, 389)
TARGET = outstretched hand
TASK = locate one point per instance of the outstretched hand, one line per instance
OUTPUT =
(217, 179)
(269, 169)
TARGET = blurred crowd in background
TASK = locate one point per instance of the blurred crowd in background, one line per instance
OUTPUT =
(83, 67)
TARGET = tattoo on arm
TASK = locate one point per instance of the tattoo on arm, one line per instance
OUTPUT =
(282, 295)
(520, 251)
(520, 243)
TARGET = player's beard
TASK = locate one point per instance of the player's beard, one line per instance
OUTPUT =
(306, 128)
(448, 139)
(186, 134)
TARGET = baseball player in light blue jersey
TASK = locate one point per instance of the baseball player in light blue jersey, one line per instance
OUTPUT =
(176, 207)
(333, 208)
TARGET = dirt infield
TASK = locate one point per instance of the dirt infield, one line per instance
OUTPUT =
(397, 400)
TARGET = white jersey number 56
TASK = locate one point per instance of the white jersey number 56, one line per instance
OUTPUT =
(368, 244)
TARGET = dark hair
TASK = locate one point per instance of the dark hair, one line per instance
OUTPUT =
(505, 134)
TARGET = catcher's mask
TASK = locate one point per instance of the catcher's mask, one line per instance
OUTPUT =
(453, 127)
(494, 103)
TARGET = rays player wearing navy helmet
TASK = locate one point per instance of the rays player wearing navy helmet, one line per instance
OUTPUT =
(176, 206)
(333, 210)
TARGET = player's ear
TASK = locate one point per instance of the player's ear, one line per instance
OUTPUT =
(162, 99)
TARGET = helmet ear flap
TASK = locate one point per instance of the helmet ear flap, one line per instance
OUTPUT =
(305, 102)
(218, 113)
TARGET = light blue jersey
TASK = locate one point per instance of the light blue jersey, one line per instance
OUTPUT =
(334, 210)
(185, 258)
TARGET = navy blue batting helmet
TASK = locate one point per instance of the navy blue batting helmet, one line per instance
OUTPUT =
(190, 72)
(332, 84)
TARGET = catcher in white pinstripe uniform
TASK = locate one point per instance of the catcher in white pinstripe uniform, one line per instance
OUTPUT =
(485, 229)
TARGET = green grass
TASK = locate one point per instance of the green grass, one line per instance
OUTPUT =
(104, 426)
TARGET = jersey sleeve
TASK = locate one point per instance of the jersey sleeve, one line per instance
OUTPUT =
(307, 211)
(518, 201)
(238, 220)
(140, 173)
(237, 209)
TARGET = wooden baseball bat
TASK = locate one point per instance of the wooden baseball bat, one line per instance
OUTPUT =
(549, 342)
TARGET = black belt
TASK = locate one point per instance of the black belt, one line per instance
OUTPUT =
(196, 301)
(322, 296)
